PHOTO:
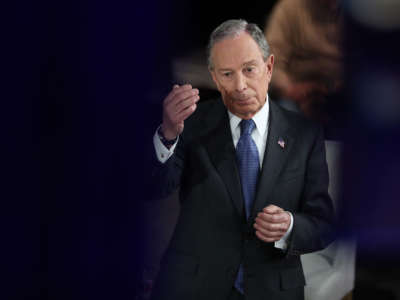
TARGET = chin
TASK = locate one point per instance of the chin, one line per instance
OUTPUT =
(246, 113)
(250, 107)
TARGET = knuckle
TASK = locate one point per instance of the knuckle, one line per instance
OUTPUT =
(269, 227)
(175, 90)
(177, 98)
(263, 223)
(170, 95)
(262, 230)
(268, 218)
(188, 94)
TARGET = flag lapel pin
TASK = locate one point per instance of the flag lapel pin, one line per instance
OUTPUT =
(281, 143)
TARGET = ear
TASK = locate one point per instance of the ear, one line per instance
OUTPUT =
(269, 64)
(214, 78)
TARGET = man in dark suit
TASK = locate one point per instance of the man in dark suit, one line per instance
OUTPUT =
(253, 181)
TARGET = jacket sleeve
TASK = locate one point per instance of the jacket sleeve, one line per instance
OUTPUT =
(166, 177)
(313, 227)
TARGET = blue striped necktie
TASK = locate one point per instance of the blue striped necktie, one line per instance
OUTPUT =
(249, 166)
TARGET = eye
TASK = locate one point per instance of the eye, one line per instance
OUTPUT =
(227, 74)
(249, 69)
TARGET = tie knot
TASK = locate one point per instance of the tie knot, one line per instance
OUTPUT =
(247, 126)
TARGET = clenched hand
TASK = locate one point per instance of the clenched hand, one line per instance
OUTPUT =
(272, 223)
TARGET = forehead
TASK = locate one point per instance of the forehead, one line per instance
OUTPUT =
(233, 52)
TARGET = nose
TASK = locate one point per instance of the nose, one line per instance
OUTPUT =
(240, 83)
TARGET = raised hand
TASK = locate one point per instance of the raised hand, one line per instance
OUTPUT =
(177, 107)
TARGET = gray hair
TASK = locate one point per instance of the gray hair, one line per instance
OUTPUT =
(232, 28)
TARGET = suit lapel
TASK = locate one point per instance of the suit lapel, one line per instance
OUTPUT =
(221, 150)
(275, 156)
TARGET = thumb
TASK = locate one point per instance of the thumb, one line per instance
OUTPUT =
(272, 209)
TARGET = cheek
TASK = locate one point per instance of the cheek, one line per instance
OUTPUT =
(264, 85)
(225, 88)
(226, 92)
(225, 97)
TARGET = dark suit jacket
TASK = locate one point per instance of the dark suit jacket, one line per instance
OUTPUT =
(212, 237)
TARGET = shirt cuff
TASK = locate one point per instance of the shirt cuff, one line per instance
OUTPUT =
(282, 243)
(162, 152)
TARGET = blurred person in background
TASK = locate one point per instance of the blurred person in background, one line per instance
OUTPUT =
(306, 36)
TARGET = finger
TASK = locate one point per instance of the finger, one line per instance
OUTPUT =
(271, 228)
(271, 235)
(186, 103)
(272, 209)
(177, 90)
(266, 239)
(182, 116)
(281, 217)
(178, 117)
(172, 109)
(180, 99)
(182, 95)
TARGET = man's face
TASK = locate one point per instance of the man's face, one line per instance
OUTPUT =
(241, 74)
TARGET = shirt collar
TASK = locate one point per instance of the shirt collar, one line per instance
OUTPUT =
(260, 118)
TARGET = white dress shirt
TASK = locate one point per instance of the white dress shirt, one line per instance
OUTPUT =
(259, 135)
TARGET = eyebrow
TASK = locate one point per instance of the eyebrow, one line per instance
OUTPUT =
(224, 70)
(251, 62)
